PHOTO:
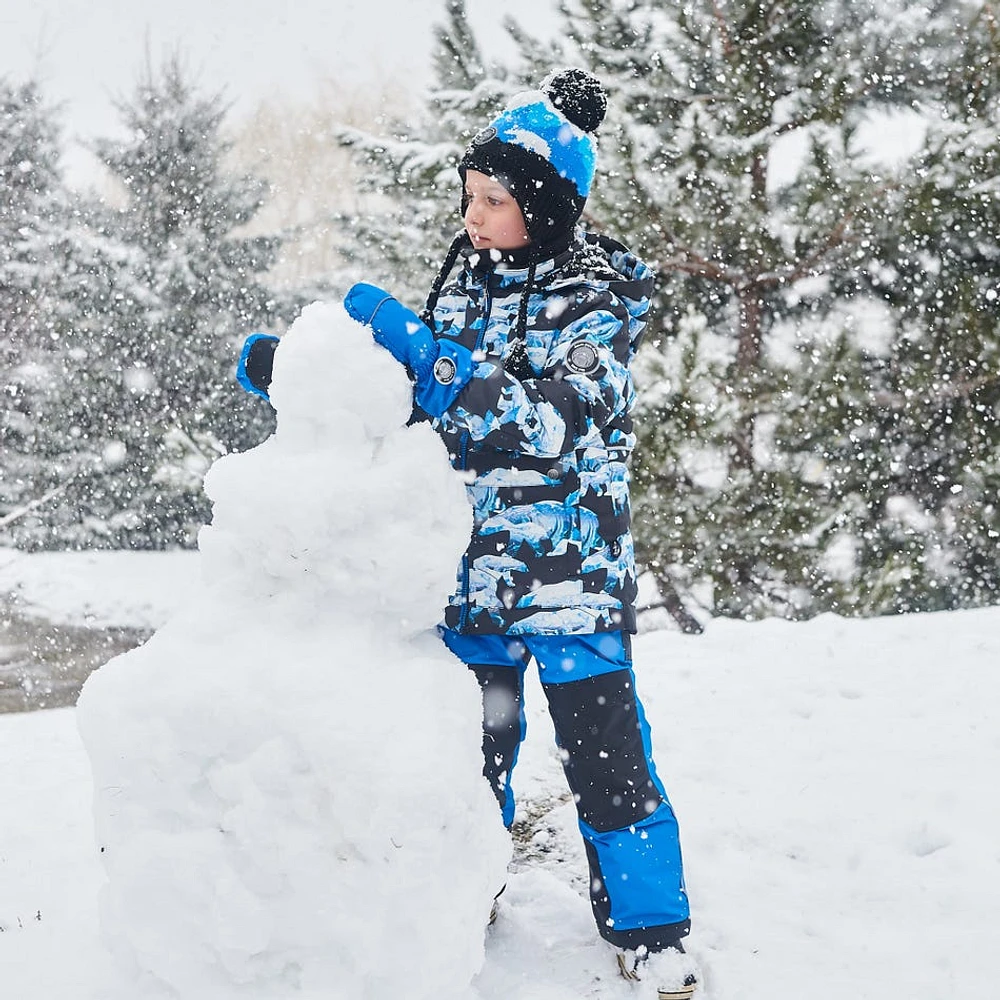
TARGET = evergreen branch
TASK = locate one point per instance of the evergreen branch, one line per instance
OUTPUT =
(457, 52)
(835, 238)
(727, 42)
(692, 262)
(702, 267)
(16, 515)
(352, 137)
(809, 265)
(695, 263)
(792, 125)
(403, 156)
(773, 15)
(961, 390)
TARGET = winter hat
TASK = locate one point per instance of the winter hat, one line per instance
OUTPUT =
(542, 148)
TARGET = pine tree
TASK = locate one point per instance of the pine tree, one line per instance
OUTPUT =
(731, 158)
(29, 181)
(33, 212)
(168, 293)
(413, 164)
(922, 471)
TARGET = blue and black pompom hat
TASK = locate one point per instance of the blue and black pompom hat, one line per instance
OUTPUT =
(542, 147)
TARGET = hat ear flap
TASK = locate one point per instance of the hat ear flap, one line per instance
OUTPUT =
(464, 204)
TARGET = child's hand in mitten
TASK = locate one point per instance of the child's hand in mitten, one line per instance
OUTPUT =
(398, 329)
(253, 370)
(441, 369)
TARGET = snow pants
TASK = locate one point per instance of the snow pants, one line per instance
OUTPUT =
(628, 826)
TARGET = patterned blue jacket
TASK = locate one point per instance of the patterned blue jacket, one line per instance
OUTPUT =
(544, 430)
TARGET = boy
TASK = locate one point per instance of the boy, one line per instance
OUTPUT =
(522, 366)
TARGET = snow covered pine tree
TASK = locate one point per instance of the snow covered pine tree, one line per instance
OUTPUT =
(161, 385)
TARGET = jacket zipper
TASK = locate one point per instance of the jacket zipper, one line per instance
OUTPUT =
(463, 618)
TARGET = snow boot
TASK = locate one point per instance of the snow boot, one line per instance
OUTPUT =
(672, 970)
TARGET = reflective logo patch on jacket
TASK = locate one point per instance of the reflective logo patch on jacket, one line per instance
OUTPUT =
(583, 358)
(444, 371)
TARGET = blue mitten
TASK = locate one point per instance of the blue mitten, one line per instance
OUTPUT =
(440, 368)
(253, 370)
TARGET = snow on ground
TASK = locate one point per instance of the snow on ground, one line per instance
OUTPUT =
(139, 590)
(835, 782)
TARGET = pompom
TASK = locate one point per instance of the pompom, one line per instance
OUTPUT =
(578, 95)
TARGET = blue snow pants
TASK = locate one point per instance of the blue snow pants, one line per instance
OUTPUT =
(629, 829)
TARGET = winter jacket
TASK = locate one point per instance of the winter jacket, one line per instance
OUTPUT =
(544, 432)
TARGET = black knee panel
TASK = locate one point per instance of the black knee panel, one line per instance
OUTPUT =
(604, 753)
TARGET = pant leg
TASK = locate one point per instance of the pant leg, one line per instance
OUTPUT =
(629, 829)
(498, 663)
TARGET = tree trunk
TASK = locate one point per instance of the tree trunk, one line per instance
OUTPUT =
(747, 363)
(672, 603)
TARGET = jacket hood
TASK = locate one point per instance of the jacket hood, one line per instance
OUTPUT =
(605, 262)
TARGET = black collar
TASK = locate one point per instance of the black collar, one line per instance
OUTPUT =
(481, 263)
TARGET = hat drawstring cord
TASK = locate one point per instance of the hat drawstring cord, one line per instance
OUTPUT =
(521, 326)
(460, 240)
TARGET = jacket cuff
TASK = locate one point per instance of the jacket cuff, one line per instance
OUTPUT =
(448, 376)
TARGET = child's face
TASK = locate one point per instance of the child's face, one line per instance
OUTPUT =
(493, 218)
